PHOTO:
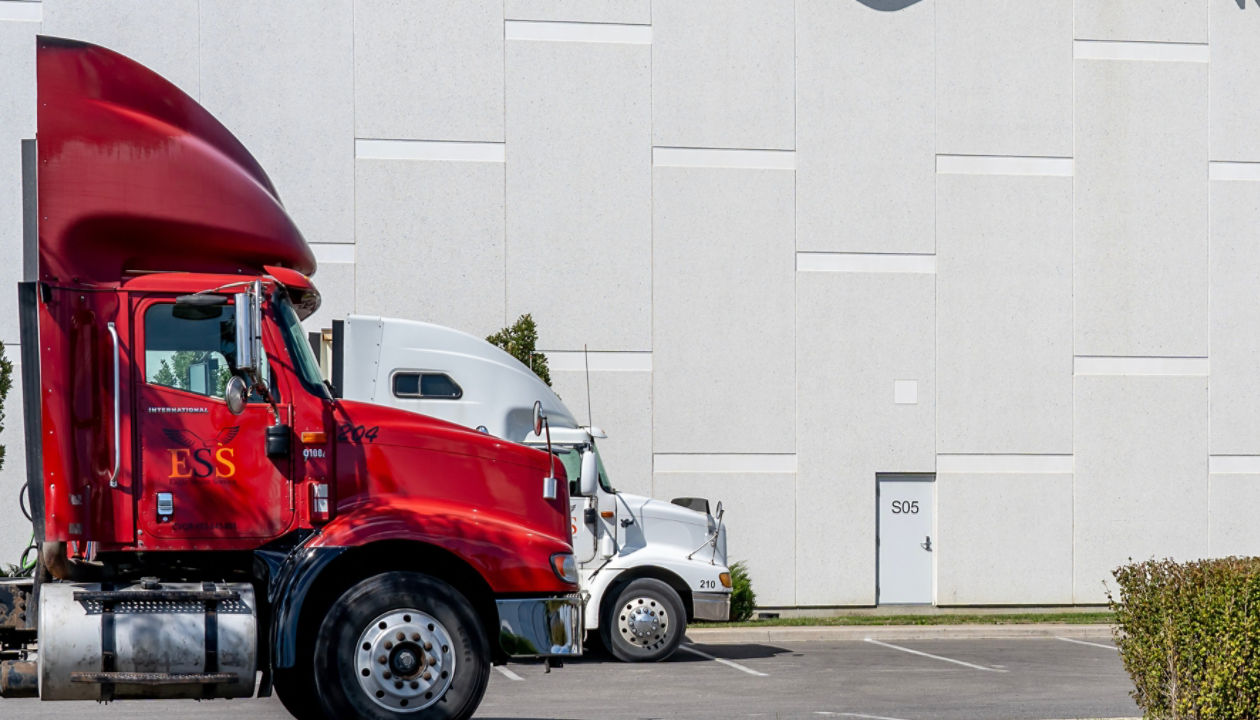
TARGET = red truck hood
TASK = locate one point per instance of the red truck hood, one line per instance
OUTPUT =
(134, 175)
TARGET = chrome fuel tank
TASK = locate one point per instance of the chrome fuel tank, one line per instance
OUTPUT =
(147, 640)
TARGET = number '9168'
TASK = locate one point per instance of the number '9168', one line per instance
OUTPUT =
(905, 507)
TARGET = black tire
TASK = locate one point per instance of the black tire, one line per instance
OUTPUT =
(437, 625)
(643, 622)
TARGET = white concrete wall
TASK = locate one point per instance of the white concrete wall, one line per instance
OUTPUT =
(761, 217)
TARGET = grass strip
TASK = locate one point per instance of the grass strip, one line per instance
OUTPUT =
(1074, 618)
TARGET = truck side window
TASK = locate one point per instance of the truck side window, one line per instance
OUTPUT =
(190, 351)
(426, 385)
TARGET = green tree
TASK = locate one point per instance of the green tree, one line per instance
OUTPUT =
(6, 383)
(175, 373)
(519, 340)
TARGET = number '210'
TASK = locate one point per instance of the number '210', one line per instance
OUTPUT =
(905, 507)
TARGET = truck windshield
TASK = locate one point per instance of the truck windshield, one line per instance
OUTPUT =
(303, 358)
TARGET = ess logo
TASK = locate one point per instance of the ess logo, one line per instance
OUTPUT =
(196, 458)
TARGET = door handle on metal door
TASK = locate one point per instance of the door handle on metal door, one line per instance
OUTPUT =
(927, 543)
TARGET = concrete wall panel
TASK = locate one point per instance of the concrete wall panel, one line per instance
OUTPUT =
(723, 73)
(637, 12)
(336, 291)
(864, 127)
(17, 122)
(283, 83)
(1141, 208)
(1020, 552)
(722, 308)
(579, 195)
(1141, 474)
(428, 70)
(161, 36)
(1234, 531)
(1004, 78)
(1235, 92)
(760, 515)
(1004, 314)
(433, 244)
(857, 333)
(621, 404)
(1155, 21)
(1235, 275)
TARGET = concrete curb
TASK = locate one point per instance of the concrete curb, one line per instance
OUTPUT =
(842, 633)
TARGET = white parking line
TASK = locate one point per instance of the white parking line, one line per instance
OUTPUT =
(1091, 644)
(934, 657)
(856, 715)
(724, 661)
(508, 673)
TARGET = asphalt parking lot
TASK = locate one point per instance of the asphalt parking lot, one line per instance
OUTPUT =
(885, 678)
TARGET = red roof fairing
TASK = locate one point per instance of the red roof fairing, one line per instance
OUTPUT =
(134, 175)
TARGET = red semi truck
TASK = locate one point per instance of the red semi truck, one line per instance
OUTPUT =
(205, 509)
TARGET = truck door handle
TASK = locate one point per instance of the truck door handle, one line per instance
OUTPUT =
(927, 543)
(113, 476)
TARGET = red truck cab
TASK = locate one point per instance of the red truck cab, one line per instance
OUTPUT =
(194, 479)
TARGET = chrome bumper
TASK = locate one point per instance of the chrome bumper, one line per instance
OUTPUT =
(711, 606)
(541, 627)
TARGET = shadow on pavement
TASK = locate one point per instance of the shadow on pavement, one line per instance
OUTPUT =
(742, 651)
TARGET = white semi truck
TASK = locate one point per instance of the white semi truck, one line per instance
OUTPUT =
(646, 567)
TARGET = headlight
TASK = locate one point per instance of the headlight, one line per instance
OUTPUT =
(565, 567)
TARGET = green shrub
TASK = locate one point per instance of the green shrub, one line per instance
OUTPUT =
(6, 383)
(1189, 636)
(519, 341)
(743, 599)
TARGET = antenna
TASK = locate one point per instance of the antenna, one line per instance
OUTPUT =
(586, 358)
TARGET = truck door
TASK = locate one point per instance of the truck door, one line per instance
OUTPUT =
(204, 472)
(583, 532)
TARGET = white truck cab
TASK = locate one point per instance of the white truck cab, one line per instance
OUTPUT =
(646, 566)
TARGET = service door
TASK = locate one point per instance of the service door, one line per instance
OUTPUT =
(905, 544)
(204, 472)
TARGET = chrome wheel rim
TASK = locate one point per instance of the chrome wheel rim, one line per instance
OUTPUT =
(404, 660)
(644, 622)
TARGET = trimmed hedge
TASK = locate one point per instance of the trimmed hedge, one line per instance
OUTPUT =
(743, 598)
(1189, 636)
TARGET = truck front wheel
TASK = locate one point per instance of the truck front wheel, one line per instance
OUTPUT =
(644, 623)
(401, 645)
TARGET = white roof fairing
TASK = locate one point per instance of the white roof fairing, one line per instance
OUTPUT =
(498, 391)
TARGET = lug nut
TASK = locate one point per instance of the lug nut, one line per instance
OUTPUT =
(415, 637)
(401, 636)
(387, 675)
(432, 660)
(389, 645)
(427, 676)
(382, 660)
(398, 684)
(428, 645)
(415, 685)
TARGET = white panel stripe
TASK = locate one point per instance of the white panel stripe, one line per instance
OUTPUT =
(724, 463)
(864, 262)
(1234, 171)
(333, 252)
(1150, 51)
(21, 11)
(1085, 365)
(1004, 165)
(372, 149)
(1234, 464)
(1021, 464)
(569, 360)
(549, 31)
(724, 158)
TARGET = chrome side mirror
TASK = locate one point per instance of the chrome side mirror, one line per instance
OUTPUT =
(718, 512)
(249, 352)
(590, 472)
(538, 418)
(236, 393)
